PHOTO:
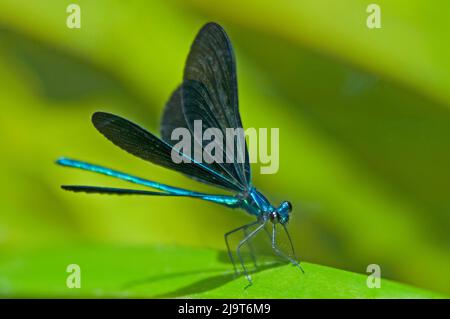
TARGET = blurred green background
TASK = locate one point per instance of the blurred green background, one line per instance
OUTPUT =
(364, 118)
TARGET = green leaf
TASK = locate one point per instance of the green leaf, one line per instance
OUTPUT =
(363, 115)
(169, 272)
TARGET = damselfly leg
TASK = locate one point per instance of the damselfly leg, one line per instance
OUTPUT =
(242, 242)
(290, 242)
(251, 249)
(230, 254)
(279, 252)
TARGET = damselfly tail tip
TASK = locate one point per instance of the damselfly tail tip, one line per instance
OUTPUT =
(62, 161)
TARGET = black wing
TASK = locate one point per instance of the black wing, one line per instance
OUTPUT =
(143, 144)
(173, 118)
(209, 93)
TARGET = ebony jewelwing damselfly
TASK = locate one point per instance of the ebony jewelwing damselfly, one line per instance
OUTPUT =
(208, 93)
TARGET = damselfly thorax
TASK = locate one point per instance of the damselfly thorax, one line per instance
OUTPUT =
(255, 203)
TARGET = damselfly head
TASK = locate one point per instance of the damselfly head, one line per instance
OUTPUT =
(283, 211)
(281, 214)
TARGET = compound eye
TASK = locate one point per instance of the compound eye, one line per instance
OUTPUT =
(289, 205)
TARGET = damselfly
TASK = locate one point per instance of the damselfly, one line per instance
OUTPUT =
(208, 93)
